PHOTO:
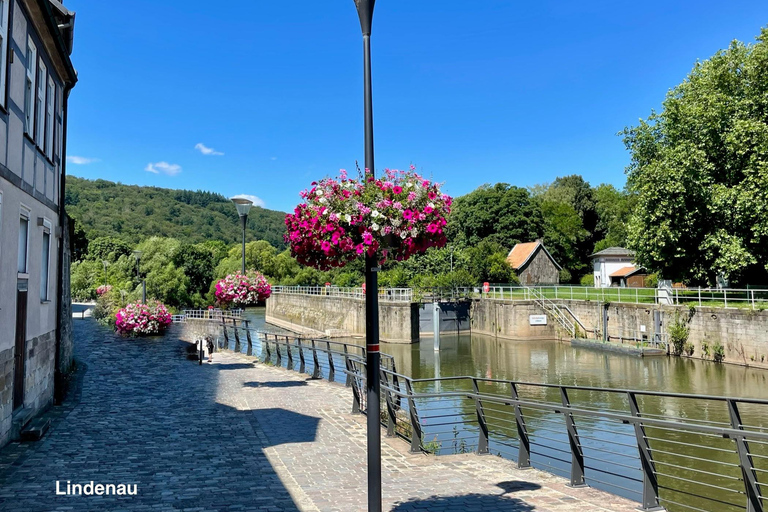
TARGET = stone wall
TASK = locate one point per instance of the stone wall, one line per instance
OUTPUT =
(38, 383)
(342, 316)
(742, 332)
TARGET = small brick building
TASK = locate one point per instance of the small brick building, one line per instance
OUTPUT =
(533, 264)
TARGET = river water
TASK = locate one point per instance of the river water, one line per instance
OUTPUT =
(696, 471)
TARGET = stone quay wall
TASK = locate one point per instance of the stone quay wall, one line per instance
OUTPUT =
(342, 316)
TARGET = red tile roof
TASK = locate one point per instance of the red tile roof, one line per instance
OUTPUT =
(520, 254)
(625, 271)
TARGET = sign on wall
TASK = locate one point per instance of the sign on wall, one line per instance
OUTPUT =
(537, 319)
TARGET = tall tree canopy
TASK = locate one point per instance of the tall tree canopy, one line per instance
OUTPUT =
(700, 171)
(501, 213)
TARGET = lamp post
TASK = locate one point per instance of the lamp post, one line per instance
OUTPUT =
(243, 206)
(137, 255)
(104, 262)
(372, 360)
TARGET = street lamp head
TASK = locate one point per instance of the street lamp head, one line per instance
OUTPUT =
(365, 11)
(243, 205)
(137, 254)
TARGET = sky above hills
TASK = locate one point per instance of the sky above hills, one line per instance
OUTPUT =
(261, 98)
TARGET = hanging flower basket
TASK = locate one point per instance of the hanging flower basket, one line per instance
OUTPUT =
(243, 290)
(105, 288)
(142, 319)
(394, 217)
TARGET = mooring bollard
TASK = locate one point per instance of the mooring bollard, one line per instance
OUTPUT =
(249, 351)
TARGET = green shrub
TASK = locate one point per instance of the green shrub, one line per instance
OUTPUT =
(678, 335)
(718, 352)
(689, 348)
(587, 280)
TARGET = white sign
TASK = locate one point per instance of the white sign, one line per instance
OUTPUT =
(537, 319)
(642, 328)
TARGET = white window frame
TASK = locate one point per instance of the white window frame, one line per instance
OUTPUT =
(45, 263)
(24, 214)
(42, 79)
(31, 87)
(49, 117)
(4, 26)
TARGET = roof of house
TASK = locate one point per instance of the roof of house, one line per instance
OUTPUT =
(627, 271)
(520, 254)
(613, 251)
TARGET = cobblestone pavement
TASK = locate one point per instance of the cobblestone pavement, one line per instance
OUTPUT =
(239, 436)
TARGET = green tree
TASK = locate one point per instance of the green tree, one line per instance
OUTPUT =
(107, 248)
(501, 213)
(700, 171)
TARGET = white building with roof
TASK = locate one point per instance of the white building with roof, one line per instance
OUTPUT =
(611, 265)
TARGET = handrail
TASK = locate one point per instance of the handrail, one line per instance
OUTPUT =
(620, 440)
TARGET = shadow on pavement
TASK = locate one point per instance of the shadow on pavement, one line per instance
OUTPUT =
(467, 502)
(518, 485)
(276, 384)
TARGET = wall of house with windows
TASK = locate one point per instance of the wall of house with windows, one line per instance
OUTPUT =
(31, 129)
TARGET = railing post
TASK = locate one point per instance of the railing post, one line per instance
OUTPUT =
(414, 418)
(650, 483)
(302, 363)
(316, 373)
(279, 356)
(725, 297)
(391, 413)
(482, 440)
(226, 336)
(331, 368)
(289, 353)
(237, 336)
(754, 502)
(355, 391)
(577, 456)
(348, 383)
(266, 346)
(524, 448)
(699, 296)
(249, 351)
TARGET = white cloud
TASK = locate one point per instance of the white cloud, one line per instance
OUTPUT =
(163, 167)
(81, 160)
(206, 150)
(257, 201)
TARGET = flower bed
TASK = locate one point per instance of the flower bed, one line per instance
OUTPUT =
(142, 319)
(105, 288)
(243, 290)
(394, 217)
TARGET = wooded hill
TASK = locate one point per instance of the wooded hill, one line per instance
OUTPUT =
(133, 213)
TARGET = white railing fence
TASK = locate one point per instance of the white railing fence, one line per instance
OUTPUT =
(385, 294)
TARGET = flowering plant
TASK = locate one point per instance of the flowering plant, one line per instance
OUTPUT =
(142, 319)
(243, 290)
(395, 217)
(101, 290)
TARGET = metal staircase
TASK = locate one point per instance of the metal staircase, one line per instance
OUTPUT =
(561, 312)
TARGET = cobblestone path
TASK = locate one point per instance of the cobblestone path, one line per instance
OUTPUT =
(239, 436)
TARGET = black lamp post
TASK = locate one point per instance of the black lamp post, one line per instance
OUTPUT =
(243, 207)
(365, 12)
(137, 255)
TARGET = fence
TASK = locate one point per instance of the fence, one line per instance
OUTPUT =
(723, 297)
(639, 444)
(385, 294)
(207, 314)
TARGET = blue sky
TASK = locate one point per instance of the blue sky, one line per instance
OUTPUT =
(470, 92)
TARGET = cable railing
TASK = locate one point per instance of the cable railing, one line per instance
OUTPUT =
(385, 294)
(643, 445)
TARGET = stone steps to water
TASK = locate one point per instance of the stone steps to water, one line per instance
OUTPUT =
(35, 429)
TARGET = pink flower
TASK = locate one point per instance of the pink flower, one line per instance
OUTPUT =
(431, 195)
(407, 214)
(397, 189)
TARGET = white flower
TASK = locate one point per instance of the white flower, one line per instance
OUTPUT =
(414, 232)
(319, 192)
(348, 218)
(323, 200)
(403, 234)
(431, 205)
(375, 226)
(408, 185)
(326, 212)
(396, 222)
(375, 214)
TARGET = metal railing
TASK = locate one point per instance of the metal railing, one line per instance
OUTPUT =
(208, 314)
(715, 297)
(684, 452)
(385, 294)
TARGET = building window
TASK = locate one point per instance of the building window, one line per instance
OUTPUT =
(23, 243)
(42, 76)
(50, 95)
(3, 47)
(45, 264)
(29, 92)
